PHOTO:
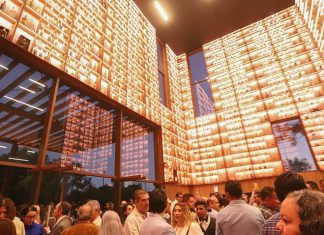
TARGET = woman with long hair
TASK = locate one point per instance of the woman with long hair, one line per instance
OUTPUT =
(111, 225)
(182, 221)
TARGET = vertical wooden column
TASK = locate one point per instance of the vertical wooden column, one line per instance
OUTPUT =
(118, 152)
(45, 138)
(7, 179)
(158, 156)
(63, 186)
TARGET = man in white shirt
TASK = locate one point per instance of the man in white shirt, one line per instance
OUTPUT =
(95, 218)
(136, 218)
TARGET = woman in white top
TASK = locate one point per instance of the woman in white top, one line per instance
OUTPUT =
(182, 221)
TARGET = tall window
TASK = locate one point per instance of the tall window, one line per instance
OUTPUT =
(162, 72)
(293, 146)
(200, 84)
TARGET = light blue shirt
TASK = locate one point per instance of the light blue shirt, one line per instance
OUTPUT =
(155, 224)
(239, 218)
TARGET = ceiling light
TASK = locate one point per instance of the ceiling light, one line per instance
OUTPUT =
(30, 151)
(41, 84)
(2, 66)
(18, 159)
(26, 89)
(3, 147)
(32, 106)
(161, 11)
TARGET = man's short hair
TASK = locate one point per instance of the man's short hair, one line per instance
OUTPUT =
(312, 185)
(186, 197)
(266, 191)
(288, 182)
(65, 207)
(201, 203)
(138, 193)
(233, 188)
(158, 201)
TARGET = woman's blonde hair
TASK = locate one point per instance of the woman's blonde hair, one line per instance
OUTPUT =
(185, 212)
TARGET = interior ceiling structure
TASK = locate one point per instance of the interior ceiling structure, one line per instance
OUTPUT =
(193, 23)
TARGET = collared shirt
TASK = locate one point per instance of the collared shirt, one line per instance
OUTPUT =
(266, 211)
(269, 227)
(204, 224)
(239, 218)
(97, 221)
(133, 222)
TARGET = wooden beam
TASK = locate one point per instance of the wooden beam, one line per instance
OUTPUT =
(53, 167)
(45, 137)
(118, 157)
(20, 79)
(16, 164)
(4, 72)
(21, 113)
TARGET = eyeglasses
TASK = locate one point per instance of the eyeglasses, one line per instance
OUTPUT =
(30, 217)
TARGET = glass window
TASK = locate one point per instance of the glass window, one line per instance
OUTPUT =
(137, 150)
(24, 97)
(81, 188)
(293, 146)
(128, 188)
(17, 183)
(162, 73)
(200, 84)
(82, 134)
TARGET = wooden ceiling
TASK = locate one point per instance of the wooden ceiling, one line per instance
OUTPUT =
(193, 23)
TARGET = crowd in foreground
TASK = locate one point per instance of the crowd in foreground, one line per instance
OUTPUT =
(291, 207)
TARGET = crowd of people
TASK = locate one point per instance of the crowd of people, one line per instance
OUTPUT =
(290, 207)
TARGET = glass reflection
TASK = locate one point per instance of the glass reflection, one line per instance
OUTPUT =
(82, 134)
(137, 150)
(293, 146)
(24, 97)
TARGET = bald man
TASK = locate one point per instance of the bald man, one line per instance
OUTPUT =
(83, 225)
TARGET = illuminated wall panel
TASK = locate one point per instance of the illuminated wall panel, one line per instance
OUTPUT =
(266, 72)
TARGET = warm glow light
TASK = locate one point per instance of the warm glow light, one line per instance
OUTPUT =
(18, 159)
(161, 11)
(2, 66)
(18, 101)
(26, 89)
(41, 84)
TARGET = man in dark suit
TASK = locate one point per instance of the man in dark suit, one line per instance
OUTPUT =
(207, 224)
(63, 221)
